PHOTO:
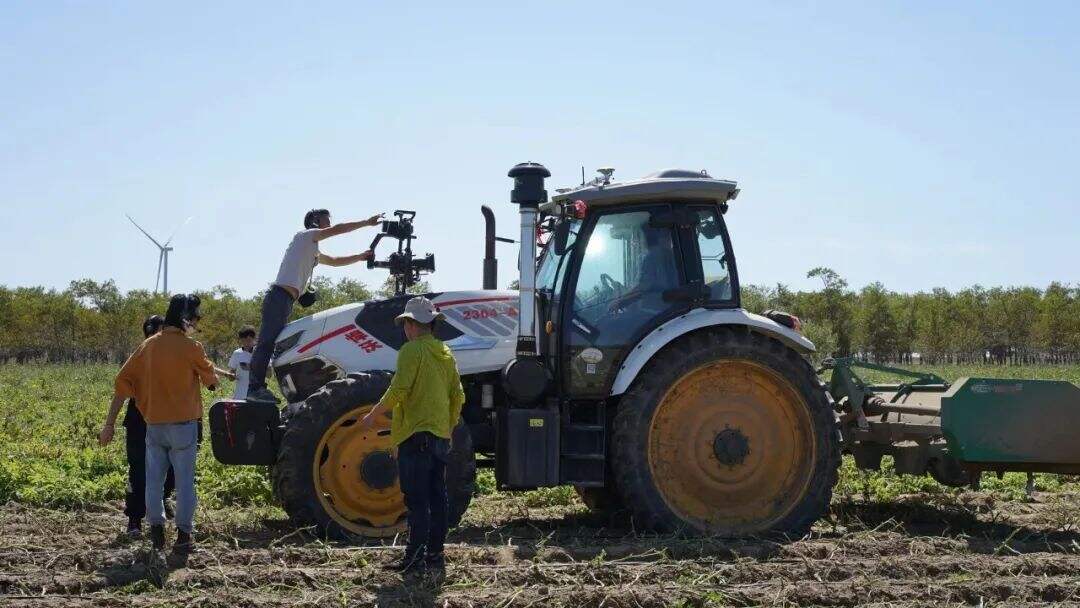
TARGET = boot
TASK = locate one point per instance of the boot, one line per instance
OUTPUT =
(185, 543)
(262, 395)
(157, 537)
(409, 563)
(134, 528)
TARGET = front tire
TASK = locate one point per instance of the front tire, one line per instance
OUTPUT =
(342, 479)
(726, 432)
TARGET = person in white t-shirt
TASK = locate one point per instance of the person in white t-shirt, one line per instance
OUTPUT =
(293, 276)
(240, 362)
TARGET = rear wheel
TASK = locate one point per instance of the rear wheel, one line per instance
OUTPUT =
(342, 478)
(726, 432)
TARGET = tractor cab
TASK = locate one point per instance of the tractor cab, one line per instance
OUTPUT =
(620, 260)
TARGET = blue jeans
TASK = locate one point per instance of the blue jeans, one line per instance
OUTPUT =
(175, 444)
(422, 474)
(135, 450)
(277, 305)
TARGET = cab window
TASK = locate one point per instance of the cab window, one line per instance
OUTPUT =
(715, 262)
(626, 268)
(552, 271)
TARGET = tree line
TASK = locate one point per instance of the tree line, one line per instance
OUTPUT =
(1000, 325)
(94, 321)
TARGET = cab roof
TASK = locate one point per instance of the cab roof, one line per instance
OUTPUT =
(666, 185)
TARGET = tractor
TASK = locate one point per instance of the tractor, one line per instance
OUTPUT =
(623, 365)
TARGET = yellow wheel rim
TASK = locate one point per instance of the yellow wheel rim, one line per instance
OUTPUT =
(355, 473)
(731, 447)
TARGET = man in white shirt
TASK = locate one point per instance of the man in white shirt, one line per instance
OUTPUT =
(240, 362)
(293, 276)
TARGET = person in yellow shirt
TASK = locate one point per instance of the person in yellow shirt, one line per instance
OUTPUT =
(163, 377)
(425, 397)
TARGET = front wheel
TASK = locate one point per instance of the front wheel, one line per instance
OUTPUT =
(726, 432)
(343, 479)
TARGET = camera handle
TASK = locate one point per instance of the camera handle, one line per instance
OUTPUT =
(374, 244)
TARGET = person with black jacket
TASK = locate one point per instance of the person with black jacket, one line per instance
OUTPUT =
(135, 450)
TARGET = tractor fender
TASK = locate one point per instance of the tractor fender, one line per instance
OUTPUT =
(697, 319)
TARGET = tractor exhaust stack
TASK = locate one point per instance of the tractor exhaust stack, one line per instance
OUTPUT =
(491, 264)
(528, 194)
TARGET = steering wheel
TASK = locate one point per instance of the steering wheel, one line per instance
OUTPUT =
(611, 284)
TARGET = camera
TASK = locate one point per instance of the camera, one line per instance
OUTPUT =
(401, 228)
(403, 266)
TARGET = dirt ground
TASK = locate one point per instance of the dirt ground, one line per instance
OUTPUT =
(946, 550)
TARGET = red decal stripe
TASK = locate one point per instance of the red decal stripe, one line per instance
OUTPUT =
(472, 301)
(317, 341)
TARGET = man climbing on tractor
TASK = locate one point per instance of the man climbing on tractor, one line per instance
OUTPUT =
(291, 286)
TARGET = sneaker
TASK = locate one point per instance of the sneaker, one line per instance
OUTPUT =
(134, 528)
(157, 537)
(185, 543)
(262, 395)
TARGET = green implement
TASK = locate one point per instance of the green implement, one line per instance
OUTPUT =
(1013, 425)
(955, 431)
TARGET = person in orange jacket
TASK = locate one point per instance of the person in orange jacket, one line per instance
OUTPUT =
(163, 376)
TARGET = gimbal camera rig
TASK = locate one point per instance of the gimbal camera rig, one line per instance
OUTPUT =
(402, 266)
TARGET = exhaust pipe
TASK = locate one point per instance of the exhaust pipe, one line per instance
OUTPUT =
(491, 265)
(527, 194)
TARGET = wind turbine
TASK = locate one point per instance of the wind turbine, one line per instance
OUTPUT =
(163, 255)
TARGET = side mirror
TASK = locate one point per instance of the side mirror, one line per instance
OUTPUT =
(562, 235)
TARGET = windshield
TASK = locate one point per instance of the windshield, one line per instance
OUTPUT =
(551, 272)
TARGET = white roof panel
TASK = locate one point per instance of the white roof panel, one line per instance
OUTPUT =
(667, 185)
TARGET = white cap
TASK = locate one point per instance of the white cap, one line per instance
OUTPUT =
(419, 309)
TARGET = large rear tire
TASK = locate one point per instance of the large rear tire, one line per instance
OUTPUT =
(342, 479)
(726, 432)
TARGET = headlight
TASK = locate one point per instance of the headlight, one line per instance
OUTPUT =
(283, 346)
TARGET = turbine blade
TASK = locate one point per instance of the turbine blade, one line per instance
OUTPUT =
(184, 223)
(158, 278)
(144, 232)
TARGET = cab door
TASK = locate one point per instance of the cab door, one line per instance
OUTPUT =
(627, 275)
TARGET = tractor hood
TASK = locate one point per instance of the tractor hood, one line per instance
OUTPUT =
(480, 327)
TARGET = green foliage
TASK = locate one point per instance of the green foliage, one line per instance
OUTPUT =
(1018, 325)
(886, 485)
(94, 321)
(559, 496)
(485, 482)
(50, 416)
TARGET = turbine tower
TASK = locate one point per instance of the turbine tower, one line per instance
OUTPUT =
(163, 255)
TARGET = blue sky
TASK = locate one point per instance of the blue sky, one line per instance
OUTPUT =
(919, 144)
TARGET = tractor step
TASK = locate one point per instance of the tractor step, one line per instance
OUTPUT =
(583, 449)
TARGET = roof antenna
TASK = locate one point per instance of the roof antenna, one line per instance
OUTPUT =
(582, 175)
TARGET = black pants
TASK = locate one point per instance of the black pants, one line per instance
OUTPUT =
(422, 471)
(277, 305)
(135, 446)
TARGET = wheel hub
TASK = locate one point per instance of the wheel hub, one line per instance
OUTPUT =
(379, 470)
(731, 447)
(699, 450)
(355, 475)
